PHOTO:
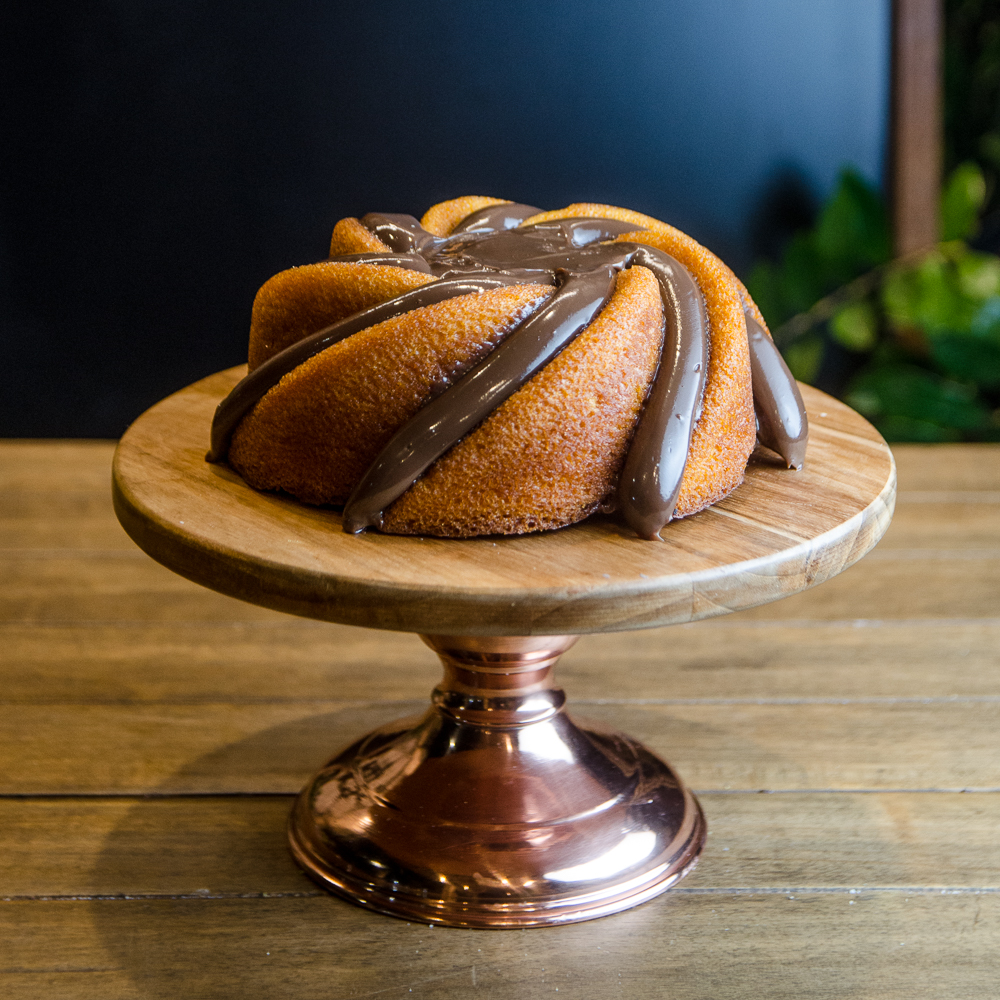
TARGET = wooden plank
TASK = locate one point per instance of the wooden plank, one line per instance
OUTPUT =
(126, 846)
(822, 746)
(207, 846)
(711, 946)
(56, 465)
(944, 526)
(851, 840)
(108, 587)
(67, 519)
(101, 749)
(770, 661)
(297, 660)
(889, 585)
(243, 662)
(962, 467)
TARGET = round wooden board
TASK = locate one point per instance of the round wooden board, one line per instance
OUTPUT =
(778, 533)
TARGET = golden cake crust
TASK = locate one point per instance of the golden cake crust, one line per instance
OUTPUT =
(349, 236)
(303, 300)
(725, 435)
(442, 218)
(551, 453)
(316, 432)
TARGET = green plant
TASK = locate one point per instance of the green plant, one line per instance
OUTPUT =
(921, 335)
(972, 89)
(851, 236)
(913, 344)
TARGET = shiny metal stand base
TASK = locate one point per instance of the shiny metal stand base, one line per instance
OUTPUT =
(495, 809)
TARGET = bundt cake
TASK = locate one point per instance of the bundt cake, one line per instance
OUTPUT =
(495, 369)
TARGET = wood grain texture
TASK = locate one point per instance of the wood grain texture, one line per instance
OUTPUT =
(98, 587)
(109, 586)
(235, 845)
(294, 660)
(933, 467)
(919, 585)
(118, 675)
(777, 534)
(48, 466)
(222, 748)
(692, 946)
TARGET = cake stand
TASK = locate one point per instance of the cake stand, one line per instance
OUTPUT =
(494, 809)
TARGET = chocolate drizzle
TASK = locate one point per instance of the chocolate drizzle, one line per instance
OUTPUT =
(413, 261)
(782, 424)
(654, 466)
(398, 232)
(448, 418)
(492, 248)
(496, 217)
(249, 390)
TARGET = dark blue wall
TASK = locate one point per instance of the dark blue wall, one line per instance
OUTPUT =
(162, 159)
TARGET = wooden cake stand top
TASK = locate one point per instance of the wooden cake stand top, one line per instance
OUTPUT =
(778, 533)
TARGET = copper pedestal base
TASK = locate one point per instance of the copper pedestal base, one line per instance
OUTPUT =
(494, 809)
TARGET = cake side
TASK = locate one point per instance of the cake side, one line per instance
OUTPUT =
(551, 454)
(302, 300)
(315, 433)
(725, 433)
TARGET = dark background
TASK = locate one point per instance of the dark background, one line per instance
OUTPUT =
(158, 161)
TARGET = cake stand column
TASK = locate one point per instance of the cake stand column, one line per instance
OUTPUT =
(494, 809)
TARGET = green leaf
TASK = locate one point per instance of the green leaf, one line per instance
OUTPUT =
(855, 326)
(851, 237)
(899, 429)
(764, 286)
(805, 279)
(929, 296)
(986, 322)
(900, 390)
(901, 297)
(852, 234)
(804, 356)
(978, 274)
(963, 196)
(968, 358)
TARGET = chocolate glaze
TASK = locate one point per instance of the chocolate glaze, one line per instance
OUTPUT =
(782, 424)
(245, 395)
(564, 252)
(534, 253)
(449, 417)
(412, 261)
(654, 466)
(488, 220)
(486, 251)
(398, 232)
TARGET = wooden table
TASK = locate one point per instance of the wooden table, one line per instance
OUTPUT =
(845, 744)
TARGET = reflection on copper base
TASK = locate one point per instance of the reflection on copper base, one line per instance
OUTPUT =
(494, 809)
